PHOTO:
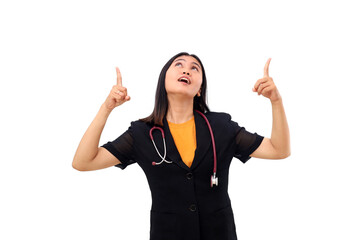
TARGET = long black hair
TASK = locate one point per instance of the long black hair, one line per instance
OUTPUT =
(161, 100)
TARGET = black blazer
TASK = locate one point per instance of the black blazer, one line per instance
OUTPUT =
(184, 206)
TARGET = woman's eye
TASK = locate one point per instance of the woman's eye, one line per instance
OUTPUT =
(177, 64)
(195, 68)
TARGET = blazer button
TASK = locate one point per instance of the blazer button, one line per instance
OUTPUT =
(189, 175)
(192, 207)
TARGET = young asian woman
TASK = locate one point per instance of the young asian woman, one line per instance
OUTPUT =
(185, 150)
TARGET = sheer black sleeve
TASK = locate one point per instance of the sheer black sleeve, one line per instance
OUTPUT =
(246, 142)
(122, 149)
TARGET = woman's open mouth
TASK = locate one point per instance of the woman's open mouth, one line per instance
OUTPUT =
(184, 80)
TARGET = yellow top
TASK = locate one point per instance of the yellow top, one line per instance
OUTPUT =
(184, 135)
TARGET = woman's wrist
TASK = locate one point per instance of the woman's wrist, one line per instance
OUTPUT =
(105, 109)
(276, 101)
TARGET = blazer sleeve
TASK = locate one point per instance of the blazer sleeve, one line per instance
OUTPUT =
(246, 142)
(122, 148)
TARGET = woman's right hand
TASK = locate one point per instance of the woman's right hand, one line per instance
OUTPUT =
(118, 94)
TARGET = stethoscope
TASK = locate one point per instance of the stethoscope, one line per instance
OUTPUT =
(214, 179)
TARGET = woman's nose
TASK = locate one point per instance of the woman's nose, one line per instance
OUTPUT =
(186, 73)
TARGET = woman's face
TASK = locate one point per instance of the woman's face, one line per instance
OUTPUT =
(184, 77)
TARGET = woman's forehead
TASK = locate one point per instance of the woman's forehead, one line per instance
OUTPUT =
(186, 58)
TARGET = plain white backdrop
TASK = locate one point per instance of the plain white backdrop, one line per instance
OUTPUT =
(57, 66)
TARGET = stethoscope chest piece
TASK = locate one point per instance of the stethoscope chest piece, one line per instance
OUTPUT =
(214, 180)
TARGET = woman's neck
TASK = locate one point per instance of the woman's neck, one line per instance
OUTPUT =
(180, 110)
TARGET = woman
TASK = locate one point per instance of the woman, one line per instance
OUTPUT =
(187, 170)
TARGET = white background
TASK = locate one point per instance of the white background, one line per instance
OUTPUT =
(57, 66)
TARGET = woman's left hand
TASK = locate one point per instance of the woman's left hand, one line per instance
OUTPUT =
(266, 86)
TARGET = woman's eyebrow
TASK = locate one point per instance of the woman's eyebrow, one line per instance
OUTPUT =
(180, 59)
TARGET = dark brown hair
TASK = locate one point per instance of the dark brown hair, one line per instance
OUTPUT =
(161, 101)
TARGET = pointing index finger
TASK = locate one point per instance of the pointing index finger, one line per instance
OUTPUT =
(266, 68)
(118, 77)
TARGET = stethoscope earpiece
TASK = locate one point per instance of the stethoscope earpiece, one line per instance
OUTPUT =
(152, 139)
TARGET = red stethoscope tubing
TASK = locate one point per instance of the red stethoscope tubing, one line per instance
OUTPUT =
(214, 179)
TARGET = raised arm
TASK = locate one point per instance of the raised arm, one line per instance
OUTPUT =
(278, 146)
(88, 155)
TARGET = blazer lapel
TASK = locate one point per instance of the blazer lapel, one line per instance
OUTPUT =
(203, 143)
(203, 139)
(172, 152)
